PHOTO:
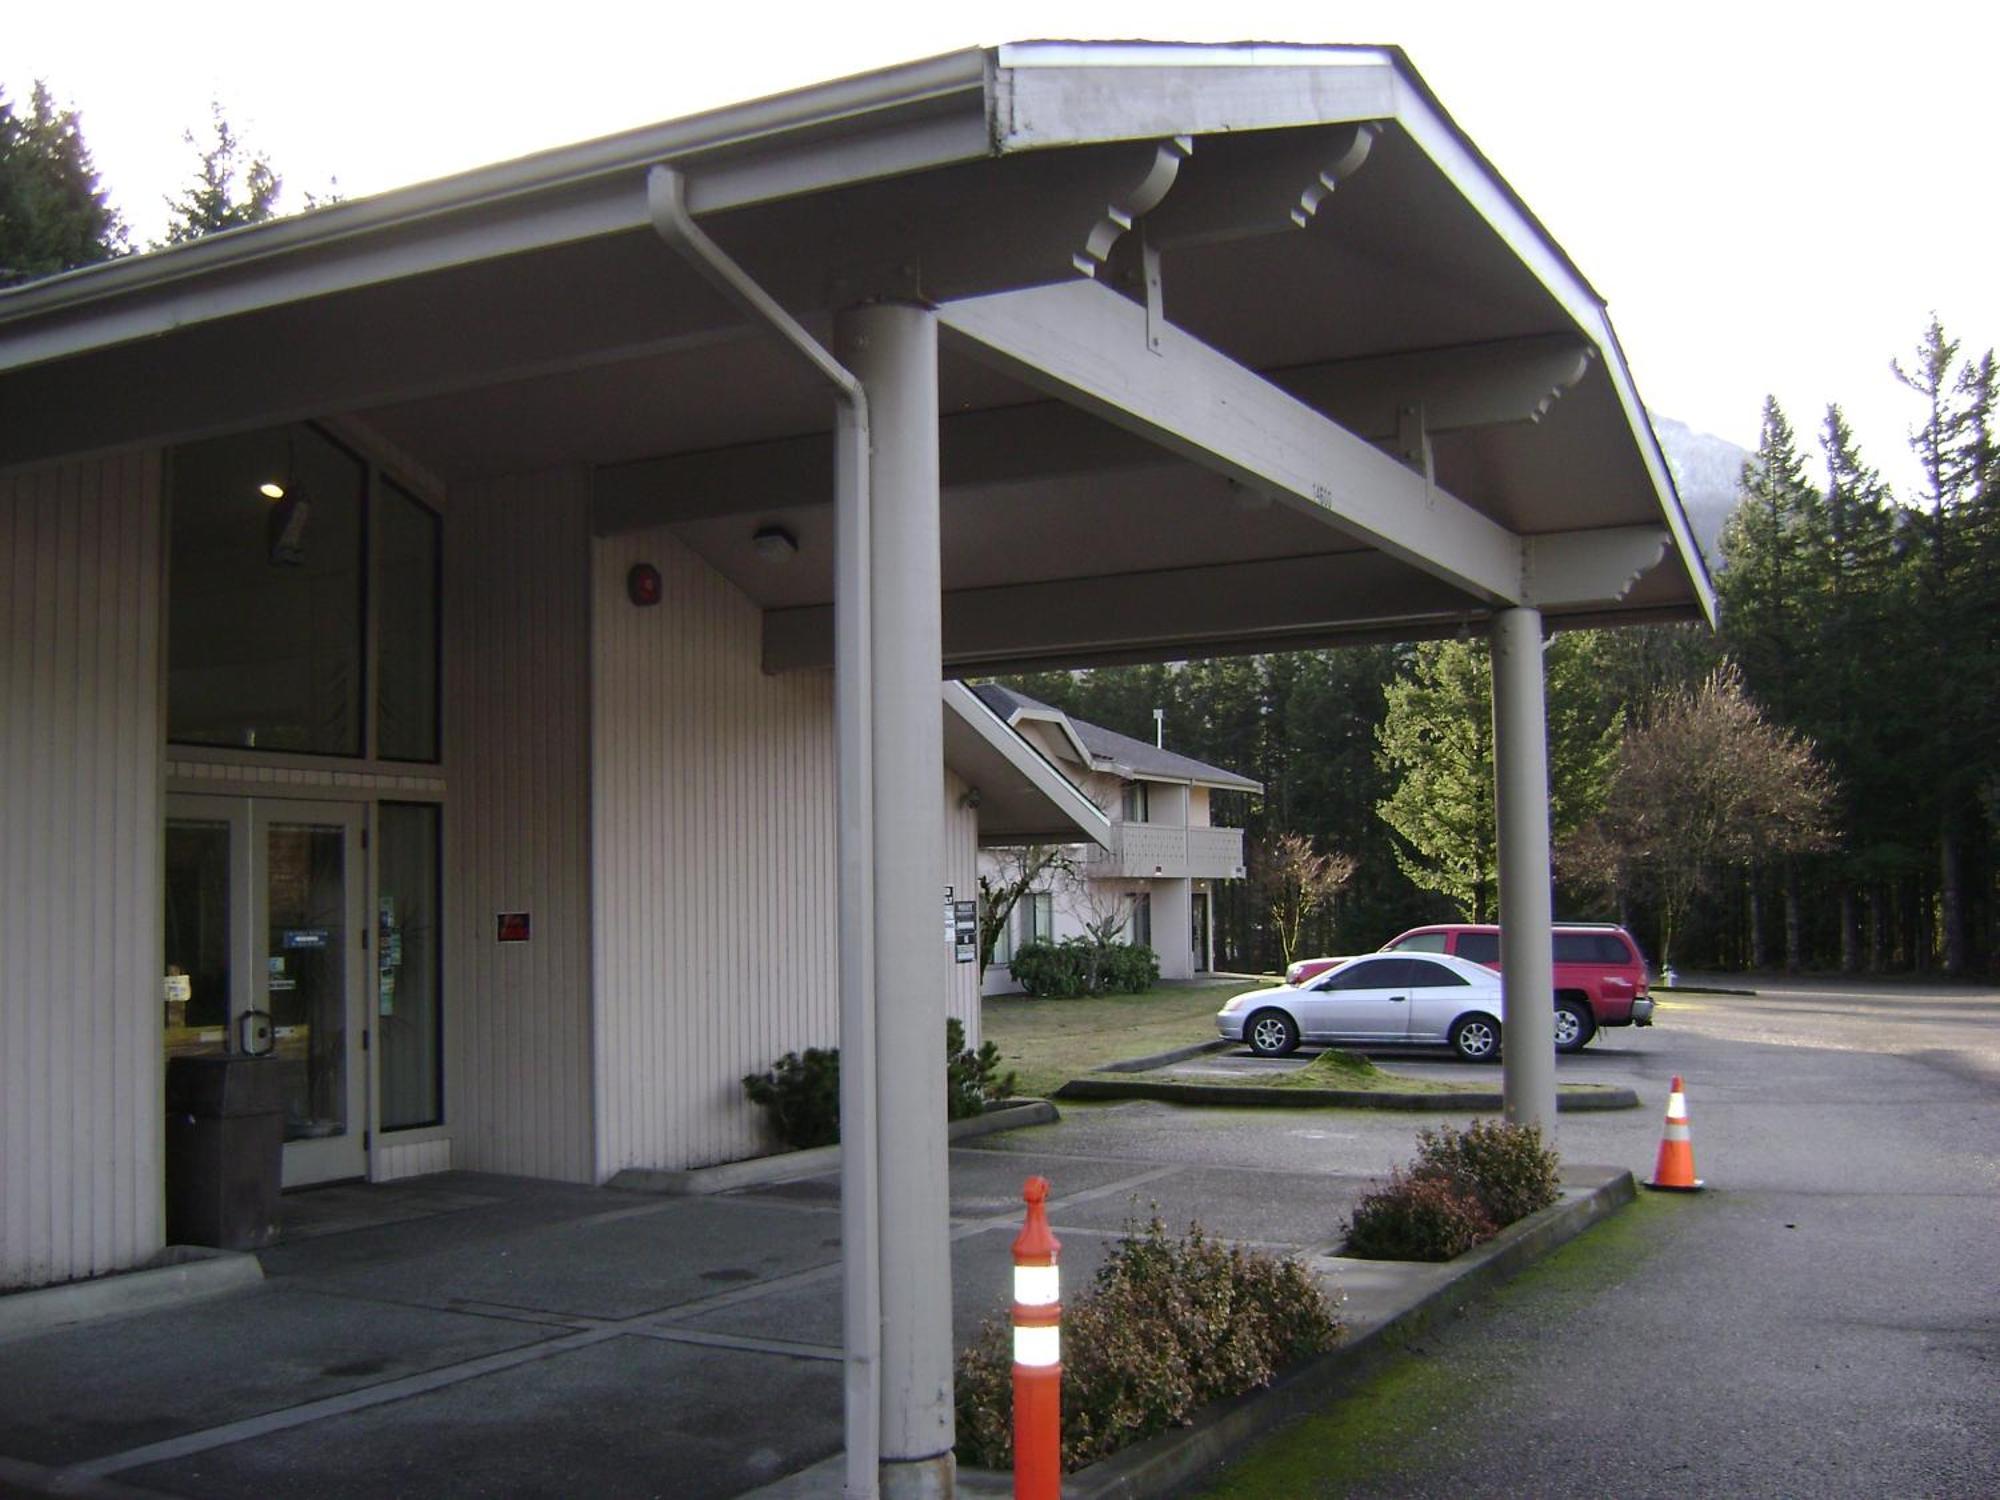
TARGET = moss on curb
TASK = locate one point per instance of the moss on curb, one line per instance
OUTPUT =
(1413, 1401)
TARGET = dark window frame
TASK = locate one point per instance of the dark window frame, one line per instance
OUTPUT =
(439, 1113)
(375, 475)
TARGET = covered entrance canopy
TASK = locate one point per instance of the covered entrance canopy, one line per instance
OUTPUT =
(1242, 348)
(1166, 351)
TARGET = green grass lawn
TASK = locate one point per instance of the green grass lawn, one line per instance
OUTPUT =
(1048, 1042)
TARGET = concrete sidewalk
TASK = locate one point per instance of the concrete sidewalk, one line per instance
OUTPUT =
(465, 1335)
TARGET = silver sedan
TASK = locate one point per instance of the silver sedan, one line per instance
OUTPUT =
(1380, 998)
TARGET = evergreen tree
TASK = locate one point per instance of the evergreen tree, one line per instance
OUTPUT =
(1952, 604)
(1867, 736)
(1436, 738)
(233, 186)
(1328, 782)
(53, 215)
(1767, 585)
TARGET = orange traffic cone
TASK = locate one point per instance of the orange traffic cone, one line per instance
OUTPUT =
(1674, 1171)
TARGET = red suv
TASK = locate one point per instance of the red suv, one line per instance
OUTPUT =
(1600, 973)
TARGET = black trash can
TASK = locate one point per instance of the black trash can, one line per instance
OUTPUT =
(225, 1150)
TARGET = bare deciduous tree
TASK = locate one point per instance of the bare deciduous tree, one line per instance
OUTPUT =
(1704, 784)
(1296, 880)
(1017, 871)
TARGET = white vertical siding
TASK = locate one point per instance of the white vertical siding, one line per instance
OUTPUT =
(961, 873)
(80, 731)
(1197, 816)
(414, 1159)
(1173, 927)
(714, 864)
(517, 830)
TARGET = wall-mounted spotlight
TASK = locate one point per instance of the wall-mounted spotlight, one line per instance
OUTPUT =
(285, 528)
(971, 800)
(774, 544)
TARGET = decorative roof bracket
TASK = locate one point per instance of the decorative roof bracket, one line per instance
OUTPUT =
(1145, 196)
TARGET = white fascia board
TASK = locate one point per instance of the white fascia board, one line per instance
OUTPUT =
(1060, 791)
(1497, 204)
(1085, 344)
(1675, 515)
(1045, 95)
(876, 125)
(1160, 778)
(1061, 721)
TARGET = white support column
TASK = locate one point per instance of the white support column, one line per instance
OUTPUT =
(1521, 800)
(892, 348)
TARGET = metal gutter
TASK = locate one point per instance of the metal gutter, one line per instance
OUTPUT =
(860, 1163)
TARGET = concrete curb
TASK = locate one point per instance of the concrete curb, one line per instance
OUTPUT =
(1162, 1465)
(1167, 1059)
(179, 1273)
(789, 1166)
(1256, 1095)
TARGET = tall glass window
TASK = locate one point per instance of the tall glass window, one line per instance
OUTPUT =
(409, 1019)
(264, 641)
(406, 624)
(270, 593)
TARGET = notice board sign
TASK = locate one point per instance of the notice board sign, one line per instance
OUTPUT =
(513, 927)
(965, 931)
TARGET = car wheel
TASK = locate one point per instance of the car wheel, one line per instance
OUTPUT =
(1271, 1033)
(1476, 1038)
(1574, 1027)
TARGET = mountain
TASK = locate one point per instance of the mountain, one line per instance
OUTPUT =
(1706, 471)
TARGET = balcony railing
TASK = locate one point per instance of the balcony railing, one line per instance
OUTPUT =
(1159, 849)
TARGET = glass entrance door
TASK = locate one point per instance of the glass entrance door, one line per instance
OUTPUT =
(264, 905)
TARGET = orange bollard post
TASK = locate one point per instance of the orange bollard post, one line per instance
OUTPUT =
(1037, 1352)
(1673, 1170)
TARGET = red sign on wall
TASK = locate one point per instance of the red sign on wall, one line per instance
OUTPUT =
(513, 927)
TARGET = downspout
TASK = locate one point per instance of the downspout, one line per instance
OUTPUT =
(666, 197)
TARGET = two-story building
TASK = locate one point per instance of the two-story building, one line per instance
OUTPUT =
(1157, 870)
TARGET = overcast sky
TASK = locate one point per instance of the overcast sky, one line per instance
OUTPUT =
(1769, 197)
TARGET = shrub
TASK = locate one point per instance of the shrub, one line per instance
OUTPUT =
(1128, 969)
(802, 1090)
(1417, 1218)
(1051, 970)
(1077, 966)
(1167, 1326)
(1505, 1166)
(802, 1094)
(1464, 1187)
(972, 1080)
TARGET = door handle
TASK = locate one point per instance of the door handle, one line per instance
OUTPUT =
(1397, 999)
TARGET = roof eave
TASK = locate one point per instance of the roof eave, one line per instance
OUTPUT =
(1354, 83)
(918, 114)
(1088, 819)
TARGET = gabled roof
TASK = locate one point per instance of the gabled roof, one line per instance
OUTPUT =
(1241, 348)
(1119, 754)
(1021, 797)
